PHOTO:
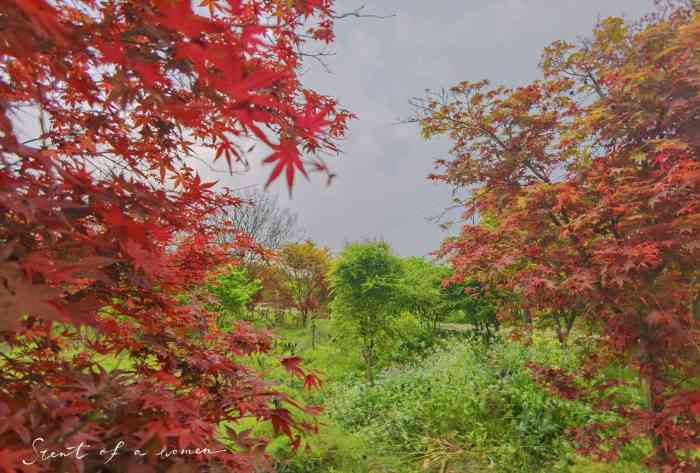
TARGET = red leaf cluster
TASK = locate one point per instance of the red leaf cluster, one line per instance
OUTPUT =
(585, 203)
(104, 220)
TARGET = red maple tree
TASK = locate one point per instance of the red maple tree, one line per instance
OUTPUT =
(586, 185)
(103, 219)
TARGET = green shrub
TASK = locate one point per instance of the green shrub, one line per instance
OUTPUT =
(459, 403)
(480, 396)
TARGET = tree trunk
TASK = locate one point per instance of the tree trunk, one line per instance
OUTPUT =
(564, 329)
(650, 382)
(527, 319)
(313, 333)
(370, 372)
(279, 317)
(368, 355)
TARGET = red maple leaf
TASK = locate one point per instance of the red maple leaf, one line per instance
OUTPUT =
(286, 157)
(292, 364)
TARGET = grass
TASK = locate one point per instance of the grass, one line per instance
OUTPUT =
(462, 406)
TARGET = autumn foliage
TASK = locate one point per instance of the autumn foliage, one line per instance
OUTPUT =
(586, 188)
(103, 218)
(306, 266)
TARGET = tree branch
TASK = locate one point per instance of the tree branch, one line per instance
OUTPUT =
(357, 13)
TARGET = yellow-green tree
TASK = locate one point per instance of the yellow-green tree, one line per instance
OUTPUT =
(305, 266)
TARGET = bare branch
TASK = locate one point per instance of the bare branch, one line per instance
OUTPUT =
(261, 217)
(357, 13)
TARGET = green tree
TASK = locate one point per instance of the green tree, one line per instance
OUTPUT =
(365, 279)
(233, 289)
(421, 291)
(476, 303)
(427, 292)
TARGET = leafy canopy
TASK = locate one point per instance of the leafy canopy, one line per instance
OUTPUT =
(233, 289)
(364, 280)
(305, 266)
(104, 219)
(365, 276)
(591, 182)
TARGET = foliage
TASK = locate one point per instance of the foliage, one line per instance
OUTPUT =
(305, 267)
(364, 279)
(409, 341)
(476, 304)
(104, 221)
(233, 290)
(591, 182)
(477, 398)
(427, 291)
(463, 405)
(421, 290)
(294, 281)
(275, 292)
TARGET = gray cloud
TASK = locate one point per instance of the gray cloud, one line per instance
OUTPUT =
(381, 190)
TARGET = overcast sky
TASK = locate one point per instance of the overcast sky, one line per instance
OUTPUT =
(381, 190)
